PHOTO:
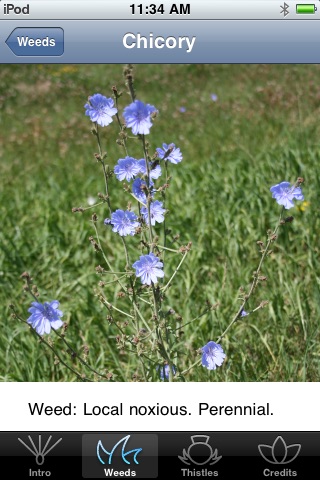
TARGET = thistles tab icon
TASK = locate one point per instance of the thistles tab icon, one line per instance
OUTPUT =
(39, 452)
(200, 452)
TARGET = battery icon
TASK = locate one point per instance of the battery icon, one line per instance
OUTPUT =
(305, 8)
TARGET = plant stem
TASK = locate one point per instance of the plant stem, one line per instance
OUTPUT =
(75, 354)
(110, 306)
(195, 318)
(105, 172)
(121, 129)
(175, 272)
(106, 259)
(149, 194)
(255, 278)
(78, 375)
(164, 206)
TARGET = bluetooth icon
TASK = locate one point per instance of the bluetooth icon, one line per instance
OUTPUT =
(284, 9)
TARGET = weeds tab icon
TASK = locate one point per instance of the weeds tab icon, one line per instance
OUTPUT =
(124, 454)
(119, 454)
(200, 452)
(279, 453)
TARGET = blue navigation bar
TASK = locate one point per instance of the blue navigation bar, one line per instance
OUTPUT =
(36, 42)
(194, 41)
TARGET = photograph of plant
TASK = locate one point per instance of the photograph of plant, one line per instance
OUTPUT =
(160, 223)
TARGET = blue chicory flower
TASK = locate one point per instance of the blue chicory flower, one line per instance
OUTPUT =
(182, 109)
(124, 222)
(137, 117)
(100, 109)
(45, 316)
(154, 172)
(284, 194)
(212, 355)
(127, 168)
(148, 268)
(175, 156)
(139, 188)
(243, 313)
(156, 213)
(164, 371)
(214, 97)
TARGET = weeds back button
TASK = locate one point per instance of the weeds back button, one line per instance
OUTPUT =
(33, 41)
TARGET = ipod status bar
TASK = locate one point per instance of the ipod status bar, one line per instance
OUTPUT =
(159, 10)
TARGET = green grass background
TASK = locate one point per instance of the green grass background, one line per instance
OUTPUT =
(264, 128)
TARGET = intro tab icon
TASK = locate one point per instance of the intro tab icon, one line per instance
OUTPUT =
(39, 452)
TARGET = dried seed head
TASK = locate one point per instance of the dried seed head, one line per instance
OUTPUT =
(264, 303)
(99, 269)
(26, 276)
(262, 278)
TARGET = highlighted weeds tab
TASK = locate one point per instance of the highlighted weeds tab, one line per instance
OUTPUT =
(33, 41)
(117, 455)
